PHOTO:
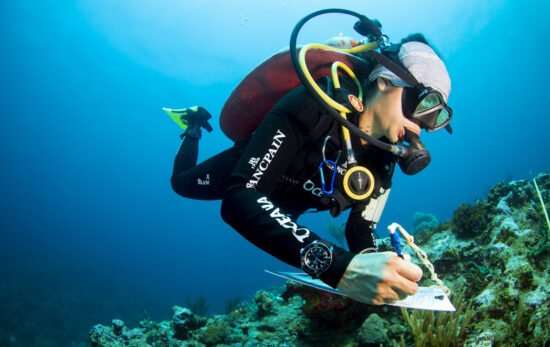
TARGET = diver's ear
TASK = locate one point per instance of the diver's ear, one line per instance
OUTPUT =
(382, 84)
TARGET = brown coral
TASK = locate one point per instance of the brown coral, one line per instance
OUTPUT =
(445, 330)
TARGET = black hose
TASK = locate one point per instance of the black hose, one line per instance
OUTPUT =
(294, 57)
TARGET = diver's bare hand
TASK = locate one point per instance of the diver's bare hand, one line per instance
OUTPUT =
(379, 278)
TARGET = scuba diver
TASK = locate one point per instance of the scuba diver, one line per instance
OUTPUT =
(306, 155)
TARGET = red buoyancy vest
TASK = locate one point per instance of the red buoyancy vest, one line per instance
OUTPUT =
(260, 90)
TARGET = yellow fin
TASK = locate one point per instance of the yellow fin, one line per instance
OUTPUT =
(176, 116)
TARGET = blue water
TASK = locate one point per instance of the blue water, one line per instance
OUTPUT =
(90, 229)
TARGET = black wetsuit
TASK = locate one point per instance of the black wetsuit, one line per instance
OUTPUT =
(272, 178)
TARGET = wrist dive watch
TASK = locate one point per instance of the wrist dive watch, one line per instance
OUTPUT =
(316, 257)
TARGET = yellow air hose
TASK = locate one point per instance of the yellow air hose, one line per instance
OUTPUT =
(302, 61)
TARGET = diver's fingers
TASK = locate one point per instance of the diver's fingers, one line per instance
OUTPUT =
(387, 296)
(401, 279)
(398, 287)
(409, 270)
(403, 287)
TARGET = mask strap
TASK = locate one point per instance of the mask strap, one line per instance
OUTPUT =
(394, 67)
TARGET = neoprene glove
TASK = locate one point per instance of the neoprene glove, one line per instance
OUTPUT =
(379, 278)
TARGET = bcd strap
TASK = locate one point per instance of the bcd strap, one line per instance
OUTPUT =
(325, 120)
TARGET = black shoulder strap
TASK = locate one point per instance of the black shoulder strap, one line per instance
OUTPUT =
(314, 127)
(325, 121)
(322, 127)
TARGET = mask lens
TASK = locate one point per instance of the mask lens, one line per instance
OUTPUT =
(442, 118)
(431, 100)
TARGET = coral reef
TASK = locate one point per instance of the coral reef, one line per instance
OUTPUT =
(469, 220)
(424, 222)
(199, 306)
(232, 304)
(546, 236)
(491, 256)
(441, 329)
(488, 249)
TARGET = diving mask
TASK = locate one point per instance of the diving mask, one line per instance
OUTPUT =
(425, 91)
(426, 107)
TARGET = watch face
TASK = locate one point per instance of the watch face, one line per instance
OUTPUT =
(316, 258)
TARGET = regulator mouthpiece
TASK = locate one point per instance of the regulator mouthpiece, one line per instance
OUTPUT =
(417, 156)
